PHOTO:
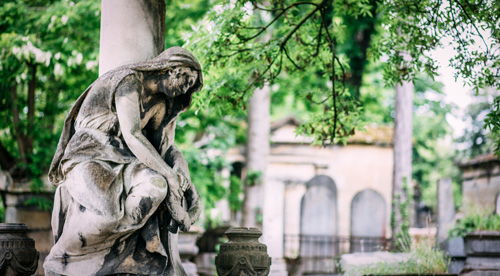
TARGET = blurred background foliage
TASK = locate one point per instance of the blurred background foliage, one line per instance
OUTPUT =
(328, 63)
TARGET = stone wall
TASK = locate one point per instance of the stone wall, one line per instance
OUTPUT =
(481, 182)
(353, 169)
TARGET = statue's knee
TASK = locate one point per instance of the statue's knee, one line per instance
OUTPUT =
(159, 189)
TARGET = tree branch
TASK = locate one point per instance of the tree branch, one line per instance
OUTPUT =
(289, 35)
(291, 60)
(274, 20)
(291, 6)
(474, 25)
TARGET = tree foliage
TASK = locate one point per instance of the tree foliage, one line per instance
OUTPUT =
(48, 55)
(477, 139)
(247, 43)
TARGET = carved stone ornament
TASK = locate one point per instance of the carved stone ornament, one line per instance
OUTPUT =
(18, 255)
(123, 187)
(243, 254)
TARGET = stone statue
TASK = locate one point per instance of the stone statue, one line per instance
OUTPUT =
(123, 188)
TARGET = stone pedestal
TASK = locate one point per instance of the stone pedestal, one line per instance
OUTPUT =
(446, 209)
(278, 267)
(483, 254)
(188, 250)
(273, 224)
(455, 249)
(18, 255)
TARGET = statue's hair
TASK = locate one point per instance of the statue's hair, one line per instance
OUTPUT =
(170, 58)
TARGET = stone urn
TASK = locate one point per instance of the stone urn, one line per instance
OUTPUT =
(243, 254)
(483, 253)
(18, 255)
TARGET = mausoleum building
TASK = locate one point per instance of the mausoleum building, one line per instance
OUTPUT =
(321, 201)
(481, 182)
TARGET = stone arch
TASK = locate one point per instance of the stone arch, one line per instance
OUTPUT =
(319, 218)
(368, 217)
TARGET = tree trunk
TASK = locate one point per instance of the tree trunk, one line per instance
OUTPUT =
(257, 155)
(361, 38)
(31, 108)
(6, 159)
(51, 109)
(18, 133)
(402, 152)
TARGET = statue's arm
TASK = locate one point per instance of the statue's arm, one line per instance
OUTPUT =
(179, 163)
(190, 192)
(128, 111)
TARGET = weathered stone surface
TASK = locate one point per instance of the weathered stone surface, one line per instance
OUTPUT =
(497, 207)
(243, 254)
(319, 207)
(446, 209)
(455, 249)
(120, 178)
(18, 255)
(480, 182)
(483, 254)
(368, 210)
(188, 250)
(483, 243)
(131, 31)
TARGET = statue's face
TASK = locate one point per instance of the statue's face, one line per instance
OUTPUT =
(177, 81)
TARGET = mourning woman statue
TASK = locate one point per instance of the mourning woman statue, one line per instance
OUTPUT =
(123, 188)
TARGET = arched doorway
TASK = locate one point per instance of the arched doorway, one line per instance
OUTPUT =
(368, 214)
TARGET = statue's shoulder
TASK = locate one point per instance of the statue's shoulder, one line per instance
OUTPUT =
(108, 83)
(117, 75)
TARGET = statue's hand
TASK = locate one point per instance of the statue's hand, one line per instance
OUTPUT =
(184, 180)
(185, 224)
(174, 188)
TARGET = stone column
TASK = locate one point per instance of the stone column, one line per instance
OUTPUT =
(446, 209)
(257, 154)
(265, 195)
(402, 147)
(131, 31)
(273, 224)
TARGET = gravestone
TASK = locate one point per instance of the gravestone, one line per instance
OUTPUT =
(446, 209)
(497, 205)
(368, 215)
(318, 226)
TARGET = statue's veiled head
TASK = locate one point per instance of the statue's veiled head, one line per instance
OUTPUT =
(177, 73)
